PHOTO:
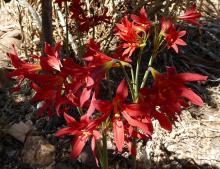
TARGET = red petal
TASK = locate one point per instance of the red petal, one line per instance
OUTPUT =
(103, 106)
(136, 18)
(54, 62)
(143, 12)
(122, 90)
(89, 81)
(86, 93)
(69, 119)
(135, 110)
(190, 77)
(181, 33)
(174, 46)
(180, 42)
(15, 60)
(50, 63)
(64, 131)
(118, 129)
(78, 145)
(163, 120)
(136, 123)
(191, 96)
(93, 147)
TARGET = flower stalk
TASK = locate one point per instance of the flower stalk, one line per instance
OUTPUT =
(146, 74)
(137, 75)
(105, 164)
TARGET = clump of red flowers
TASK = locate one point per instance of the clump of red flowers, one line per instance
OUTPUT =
(61, 84)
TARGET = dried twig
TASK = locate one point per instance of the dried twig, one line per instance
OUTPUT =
(70, 37)
(32, 11)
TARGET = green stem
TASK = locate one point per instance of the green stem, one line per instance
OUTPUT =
(80, 111)
(104, 151)
(137, 73)
(133, 158)
(147, 71)
(136, 93)
(158, 42)
(132, 77)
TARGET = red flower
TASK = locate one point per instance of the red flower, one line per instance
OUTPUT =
(168, 95)
(99, 63)
(48, 90)
(165, 25)
(122, 112)
(82, 81)
(83, 131)
(191, 15)
(52, 60)
(126, 31)
(142, 21)
(49, 63)
(22, 67)
(172, 37)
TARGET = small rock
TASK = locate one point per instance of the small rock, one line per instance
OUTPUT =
(20, 130)
(38, 152)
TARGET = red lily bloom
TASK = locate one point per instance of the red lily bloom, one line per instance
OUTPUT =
(120, 56)
(88, 78)
(49, 63)
(142, 21)
(83, 131)
(127, 32)
(173, 39)
(165, 25)
(82, 83)
(52, 60)
(122, 111)
(172, 36)
(168, 95)
(191, 15)
(98, 64)
(48, 91)
(22, 67)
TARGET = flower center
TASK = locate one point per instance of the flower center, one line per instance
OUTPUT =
(86, 133)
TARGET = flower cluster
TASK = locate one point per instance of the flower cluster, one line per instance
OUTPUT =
(61, 84)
